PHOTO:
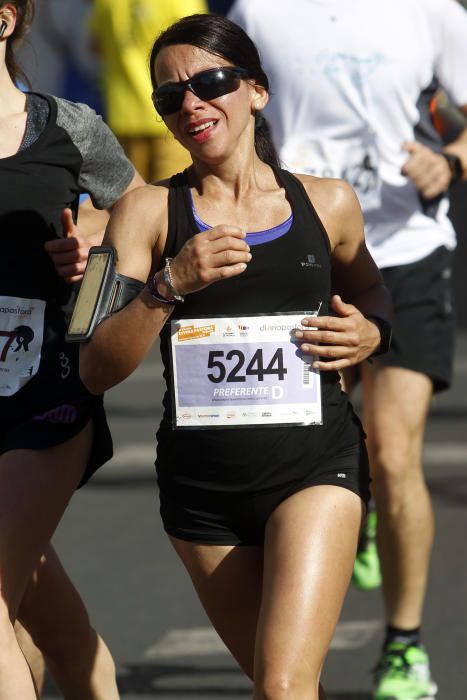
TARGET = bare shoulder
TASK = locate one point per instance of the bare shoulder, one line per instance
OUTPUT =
(142, 202)
(328, 193)
(336, 204)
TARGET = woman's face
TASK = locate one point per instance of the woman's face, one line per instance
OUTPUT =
(210, 129)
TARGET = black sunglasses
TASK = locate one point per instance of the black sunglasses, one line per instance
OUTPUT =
(206, 85)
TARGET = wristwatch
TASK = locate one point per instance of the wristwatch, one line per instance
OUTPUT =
(167, 278)
(455, 166)
(385, 330)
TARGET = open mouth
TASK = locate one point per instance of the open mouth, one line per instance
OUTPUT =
(200, 128)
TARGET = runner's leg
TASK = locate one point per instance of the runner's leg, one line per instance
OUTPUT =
(34, 491)
(310, 545)
(54, 614)
(396, 403)
(33, 656)
(279, 628)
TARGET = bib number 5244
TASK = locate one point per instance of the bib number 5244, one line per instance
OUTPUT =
(229, 366)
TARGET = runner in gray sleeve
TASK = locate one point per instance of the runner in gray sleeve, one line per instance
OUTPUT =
(53, 432)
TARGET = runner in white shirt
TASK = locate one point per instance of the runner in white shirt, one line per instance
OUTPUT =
(351, 84)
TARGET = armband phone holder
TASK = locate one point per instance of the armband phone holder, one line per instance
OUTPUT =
(103, 291)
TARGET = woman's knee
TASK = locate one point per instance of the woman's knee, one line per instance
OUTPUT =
(280, 684)
(394, 462)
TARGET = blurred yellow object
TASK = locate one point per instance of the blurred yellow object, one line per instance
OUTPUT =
(155, 158)
(124, 31)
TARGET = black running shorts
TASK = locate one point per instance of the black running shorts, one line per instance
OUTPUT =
(235, 518)
(58, 424)
(424, 322)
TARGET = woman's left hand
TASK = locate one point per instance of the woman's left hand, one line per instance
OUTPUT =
(344, 340)
(70, 253)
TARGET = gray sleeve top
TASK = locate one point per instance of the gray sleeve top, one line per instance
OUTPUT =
(106, 172)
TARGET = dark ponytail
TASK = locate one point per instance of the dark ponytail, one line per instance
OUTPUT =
(264, 145)
(221, 37)
(24, 20)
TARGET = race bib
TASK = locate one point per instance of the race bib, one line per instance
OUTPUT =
(21, 334)
(355, 160)
(246, 371)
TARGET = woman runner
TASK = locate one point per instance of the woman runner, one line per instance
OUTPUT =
(261, 288)
(53, 432)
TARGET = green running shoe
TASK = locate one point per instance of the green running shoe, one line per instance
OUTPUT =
(403, 673)
(366, 571)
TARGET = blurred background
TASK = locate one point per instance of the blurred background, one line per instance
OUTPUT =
(96, 51)
(111, 539)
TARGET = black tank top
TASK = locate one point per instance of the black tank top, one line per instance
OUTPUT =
(288, 274)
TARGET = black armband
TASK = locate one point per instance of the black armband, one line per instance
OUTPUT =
(103, 291)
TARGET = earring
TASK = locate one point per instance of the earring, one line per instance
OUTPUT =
(3, 28)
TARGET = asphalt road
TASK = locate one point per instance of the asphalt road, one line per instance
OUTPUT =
(140, 598)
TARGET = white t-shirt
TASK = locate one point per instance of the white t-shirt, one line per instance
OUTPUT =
(350, 82)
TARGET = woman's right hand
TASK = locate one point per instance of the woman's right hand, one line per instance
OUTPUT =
(216, 254)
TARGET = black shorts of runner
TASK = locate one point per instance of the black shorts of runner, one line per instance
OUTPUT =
(424, 321)
(235, 518)
(58, 424)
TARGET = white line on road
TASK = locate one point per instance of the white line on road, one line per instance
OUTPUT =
(204, 641)
(441, 454)
(354, 634)
(194, 641)
(134, 457)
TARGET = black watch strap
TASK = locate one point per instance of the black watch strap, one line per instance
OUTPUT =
(455, 166)
(385, 330)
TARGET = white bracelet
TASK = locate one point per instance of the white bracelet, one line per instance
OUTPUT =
(167, 277)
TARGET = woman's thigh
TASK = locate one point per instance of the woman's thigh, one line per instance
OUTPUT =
(228, 581)
(282, 617)
(309, 551)
(35, 488)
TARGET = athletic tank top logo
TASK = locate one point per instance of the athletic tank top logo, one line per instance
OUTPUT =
(310, 262)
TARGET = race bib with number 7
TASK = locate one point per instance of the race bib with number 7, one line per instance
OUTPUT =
(243, 371)
(21, 335)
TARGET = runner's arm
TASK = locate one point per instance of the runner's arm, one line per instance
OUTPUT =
(120, 343)
(137, 230)
(347, 337)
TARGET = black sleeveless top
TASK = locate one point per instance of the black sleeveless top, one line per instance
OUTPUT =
(288, 274)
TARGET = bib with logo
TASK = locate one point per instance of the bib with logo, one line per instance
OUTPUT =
(243, 370)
